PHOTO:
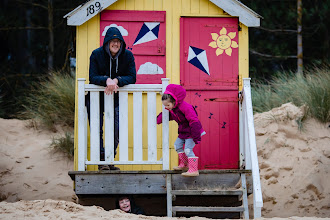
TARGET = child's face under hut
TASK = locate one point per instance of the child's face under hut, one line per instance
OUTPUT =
(168, 105)
(125, 205)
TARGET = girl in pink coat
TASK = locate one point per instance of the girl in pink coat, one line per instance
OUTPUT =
(190, 129)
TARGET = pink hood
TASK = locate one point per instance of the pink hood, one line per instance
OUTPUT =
(177, 92)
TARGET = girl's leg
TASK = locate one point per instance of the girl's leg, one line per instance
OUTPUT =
(183, 159)
(192, 159)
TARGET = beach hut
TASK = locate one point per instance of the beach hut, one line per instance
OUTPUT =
(200, 44)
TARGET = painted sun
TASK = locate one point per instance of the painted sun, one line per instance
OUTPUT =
(223, 42)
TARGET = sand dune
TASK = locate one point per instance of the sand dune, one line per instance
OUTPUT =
(294, 166)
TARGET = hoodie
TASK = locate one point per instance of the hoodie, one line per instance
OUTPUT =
(184, 114)
(103, 65)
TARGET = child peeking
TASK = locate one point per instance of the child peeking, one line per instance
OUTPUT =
(190, 128)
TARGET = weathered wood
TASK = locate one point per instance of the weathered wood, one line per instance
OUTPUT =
(247, 104)
(165, 136)
(81, 125)
(95, 126)
(207, 192)
(206, 209)
(169, 194)
(123, 128)
(236, 8)
(207, 181)
(245, 199)
(120, 184)
(108, 128)
(152, 129)
(137, 124)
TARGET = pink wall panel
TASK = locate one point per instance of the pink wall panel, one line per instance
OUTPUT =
(211, 81)
(144, 38)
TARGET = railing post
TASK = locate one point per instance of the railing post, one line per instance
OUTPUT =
(81, 124)
(257, 195)
(165, 123)
(241, 136)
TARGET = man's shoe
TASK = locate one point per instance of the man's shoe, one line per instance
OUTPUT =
(103, 167)
(112, 167)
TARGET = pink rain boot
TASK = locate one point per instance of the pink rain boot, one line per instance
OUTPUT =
(193, 167)
(183, 162)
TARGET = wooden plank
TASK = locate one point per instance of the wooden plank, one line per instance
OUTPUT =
(123, 128)
(137, 125)
(86, 11)
(207, 192)
(109, 128)
(237, 9)
(120, 184)
(245, 199)
(212, 181)
(169, 194)
(95, 126)
(152, 129)
(206, 209)
(81, 125)
(165, 136)
(129, 88)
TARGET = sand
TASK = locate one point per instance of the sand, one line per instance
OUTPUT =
(294, 167)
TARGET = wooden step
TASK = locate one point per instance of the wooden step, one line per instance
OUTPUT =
(206, 209)
(207, 192)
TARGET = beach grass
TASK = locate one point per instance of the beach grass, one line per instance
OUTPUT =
(64, 144)
(311, 89)
(51, 101)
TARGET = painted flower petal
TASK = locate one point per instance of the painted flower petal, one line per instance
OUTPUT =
(223, 31)
(234, 44)
(219, 51)
(232, 35)
(213, 44)
(214, 36)
(228, 51)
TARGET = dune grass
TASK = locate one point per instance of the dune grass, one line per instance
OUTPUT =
(64, 144)
(51, 102)
(311, 89)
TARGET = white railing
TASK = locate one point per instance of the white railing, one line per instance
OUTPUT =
(137, 90)
(248, 147)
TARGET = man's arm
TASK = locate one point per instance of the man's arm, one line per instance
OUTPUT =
(95, 76)
(131, 77)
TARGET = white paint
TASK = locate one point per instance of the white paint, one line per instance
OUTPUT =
(238, 9)
(138, 108)
(232, 7)
(108, 128)
(149, 36)
(79, 15)
(95, 125)
(137, 126)
(251, 147)
(122, 30)
(150, 68)
(123, 126)
(152, 127)
(202, 58)
(81, 125)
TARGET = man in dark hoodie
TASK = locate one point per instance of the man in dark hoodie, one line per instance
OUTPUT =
(111, 66)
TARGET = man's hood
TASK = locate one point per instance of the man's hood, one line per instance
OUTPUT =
(113, 33)
(177, 92)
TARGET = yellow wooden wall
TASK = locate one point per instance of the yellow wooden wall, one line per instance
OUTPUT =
(88, 40)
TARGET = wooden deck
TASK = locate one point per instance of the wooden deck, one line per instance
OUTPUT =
(218, 191)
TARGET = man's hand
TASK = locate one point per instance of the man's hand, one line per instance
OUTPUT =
(111, 86)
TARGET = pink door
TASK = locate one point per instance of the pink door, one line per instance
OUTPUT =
(144, 34)
(209, 73)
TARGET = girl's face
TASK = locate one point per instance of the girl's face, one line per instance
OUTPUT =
(125, 205)
(168, 105)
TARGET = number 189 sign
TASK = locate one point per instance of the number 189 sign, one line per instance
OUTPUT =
(92, 8)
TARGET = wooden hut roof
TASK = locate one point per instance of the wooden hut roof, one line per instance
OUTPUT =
(233, 7)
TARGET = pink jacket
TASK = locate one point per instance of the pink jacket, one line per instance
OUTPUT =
(184, 114)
